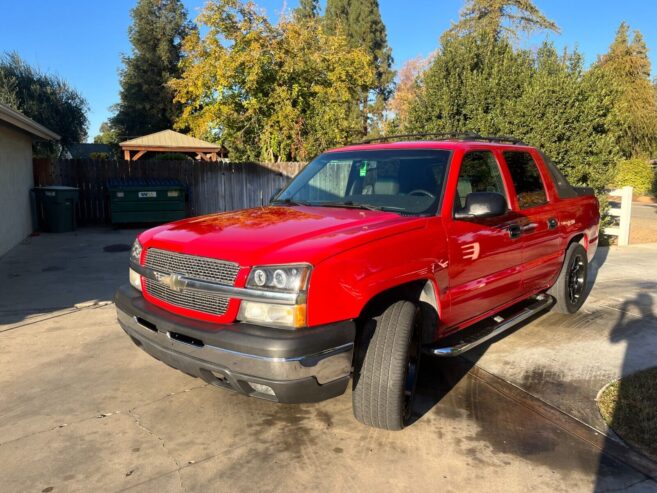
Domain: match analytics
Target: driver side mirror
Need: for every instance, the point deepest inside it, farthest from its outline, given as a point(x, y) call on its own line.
point(481, 205)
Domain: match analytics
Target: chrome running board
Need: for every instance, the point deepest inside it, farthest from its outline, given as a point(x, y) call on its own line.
point(458, 344)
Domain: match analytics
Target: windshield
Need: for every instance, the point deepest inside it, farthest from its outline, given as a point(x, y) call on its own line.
point(405, 181)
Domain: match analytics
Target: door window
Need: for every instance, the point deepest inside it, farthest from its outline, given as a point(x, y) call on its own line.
point(526, 179)
point(479, 172)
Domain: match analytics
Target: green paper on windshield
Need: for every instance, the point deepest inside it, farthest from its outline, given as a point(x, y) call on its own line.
point(363, 169)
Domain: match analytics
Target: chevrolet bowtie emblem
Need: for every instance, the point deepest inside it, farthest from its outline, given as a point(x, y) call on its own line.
point(174, 282)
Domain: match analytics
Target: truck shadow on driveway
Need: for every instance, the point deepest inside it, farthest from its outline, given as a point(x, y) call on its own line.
point(439, 375)
point(452, 389)
point(595, 265)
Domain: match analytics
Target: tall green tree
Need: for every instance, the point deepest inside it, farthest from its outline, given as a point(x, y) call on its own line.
point(107, 135)
point(46, 99)
point(146, 101)
point(564, 112)
point(501, 18)
point(307, 9)
point(480, 81)
point(361, 22)
point(270, 92)
point(469, 86)
point(625, 68)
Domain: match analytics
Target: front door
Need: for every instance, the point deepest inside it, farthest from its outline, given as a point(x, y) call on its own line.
point(484, 254)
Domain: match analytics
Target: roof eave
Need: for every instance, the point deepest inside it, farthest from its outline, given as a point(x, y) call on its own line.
point(168, 148)
point(19, 120)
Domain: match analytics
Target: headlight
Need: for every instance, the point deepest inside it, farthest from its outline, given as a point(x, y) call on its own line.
point(282, 278)
point(135, 252)
point(270, 314)
point(285, 278)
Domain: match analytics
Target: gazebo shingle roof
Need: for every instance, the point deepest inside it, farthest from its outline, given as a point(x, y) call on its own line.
point(170, 141)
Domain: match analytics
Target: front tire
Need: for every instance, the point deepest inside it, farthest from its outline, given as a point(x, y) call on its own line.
point(570, 289)
point(384, 385)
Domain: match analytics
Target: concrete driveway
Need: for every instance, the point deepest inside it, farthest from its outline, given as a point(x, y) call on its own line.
point(82, 409)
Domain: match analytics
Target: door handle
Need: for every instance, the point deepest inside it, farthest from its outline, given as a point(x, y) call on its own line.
point(514, 231)
point(552, 223)
point(529, 227)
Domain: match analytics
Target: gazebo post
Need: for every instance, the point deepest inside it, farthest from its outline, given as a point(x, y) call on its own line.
point(126, 155)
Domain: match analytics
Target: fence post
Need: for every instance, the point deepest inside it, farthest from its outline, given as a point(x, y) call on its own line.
point(625, 216)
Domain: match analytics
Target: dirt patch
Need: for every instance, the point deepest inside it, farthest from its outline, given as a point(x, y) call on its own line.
point(643, 230)
point(629, 406)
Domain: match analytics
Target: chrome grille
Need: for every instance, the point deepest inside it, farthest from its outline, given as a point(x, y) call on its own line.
point(192, 299)
point(202, 268)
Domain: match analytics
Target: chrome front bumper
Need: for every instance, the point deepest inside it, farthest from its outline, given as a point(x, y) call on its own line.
point(326, 366)
point(296, 365)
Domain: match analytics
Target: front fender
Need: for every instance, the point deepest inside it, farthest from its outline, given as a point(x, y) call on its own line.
point(342, 285)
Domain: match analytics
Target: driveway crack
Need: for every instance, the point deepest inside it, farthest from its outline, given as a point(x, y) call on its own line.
point(137, 420)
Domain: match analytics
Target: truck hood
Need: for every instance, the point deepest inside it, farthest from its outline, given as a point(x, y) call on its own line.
point(278, 234)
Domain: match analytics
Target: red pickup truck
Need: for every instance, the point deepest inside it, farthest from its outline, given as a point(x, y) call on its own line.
point(373, 254)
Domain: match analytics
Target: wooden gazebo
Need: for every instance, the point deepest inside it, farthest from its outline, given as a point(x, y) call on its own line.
point(170, 141)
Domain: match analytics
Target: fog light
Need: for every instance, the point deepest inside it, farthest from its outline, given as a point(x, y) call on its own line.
point(135, 280)
point(263, 389)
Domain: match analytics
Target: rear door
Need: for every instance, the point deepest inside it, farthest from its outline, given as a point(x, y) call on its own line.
point(484, 254)
point(541, 243)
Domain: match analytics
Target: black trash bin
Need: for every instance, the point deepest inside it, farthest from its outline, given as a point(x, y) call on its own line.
point(56, 208)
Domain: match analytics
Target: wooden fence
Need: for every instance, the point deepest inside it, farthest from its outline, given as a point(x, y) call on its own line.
point(211, 187)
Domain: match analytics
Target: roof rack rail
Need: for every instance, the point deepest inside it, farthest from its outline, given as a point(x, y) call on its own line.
point(465, 136)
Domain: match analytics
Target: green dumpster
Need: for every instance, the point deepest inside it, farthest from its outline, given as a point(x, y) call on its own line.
point(146, 200)
point(56, 207)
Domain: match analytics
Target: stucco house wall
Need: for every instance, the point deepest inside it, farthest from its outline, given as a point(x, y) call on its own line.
point(17, 132)
point(16, 179)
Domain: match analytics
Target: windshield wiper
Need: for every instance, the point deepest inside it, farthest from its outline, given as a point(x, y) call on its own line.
point(289, 202)
point(350, 204)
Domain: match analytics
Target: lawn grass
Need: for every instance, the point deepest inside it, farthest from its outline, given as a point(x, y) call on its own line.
point(629, 406)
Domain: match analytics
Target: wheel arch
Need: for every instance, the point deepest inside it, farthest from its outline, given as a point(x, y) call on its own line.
point(577, 238)
point(423, 292)
point(580, 238)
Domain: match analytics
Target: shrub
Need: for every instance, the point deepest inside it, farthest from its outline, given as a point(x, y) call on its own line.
point(635, 173)
point(172, 156)
point(99, 156)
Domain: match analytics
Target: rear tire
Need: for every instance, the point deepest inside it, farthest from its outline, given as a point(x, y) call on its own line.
point(384, 385)
point(569, 290)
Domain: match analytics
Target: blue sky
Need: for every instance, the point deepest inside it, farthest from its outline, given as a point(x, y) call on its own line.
point(82, 40)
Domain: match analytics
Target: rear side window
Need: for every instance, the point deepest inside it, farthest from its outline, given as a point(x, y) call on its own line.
point(526, 179)
point(564, 189)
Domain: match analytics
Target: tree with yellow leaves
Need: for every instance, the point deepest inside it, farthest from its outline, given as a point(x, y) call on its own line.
point(270, 92)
